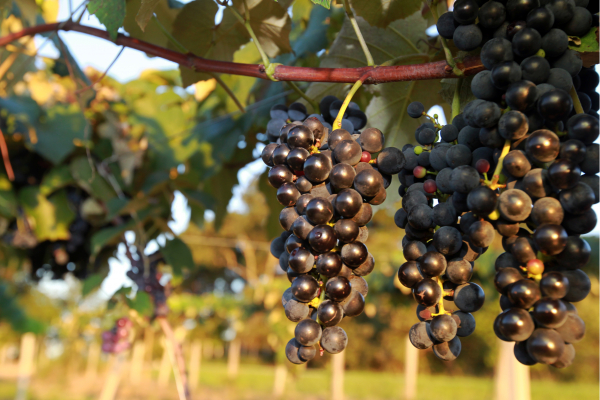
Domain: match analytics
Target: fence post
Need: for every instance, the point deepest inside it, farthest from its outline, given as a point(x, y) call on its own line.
point(113, 378)
point(164, 372)
point(91, 369)
point(233, 358)
point(411, 370)
point(26, 367)
point(195, 363)
point(149, 350)
point(280, 378)
point(337, 376)
point(511, 378)
point(137, 362)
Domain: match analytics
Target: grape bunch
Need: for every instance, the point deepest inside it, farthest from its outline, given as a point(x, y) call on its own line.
point(328, 182)
point(440, 182)
point(116, 340)
point(523, 127)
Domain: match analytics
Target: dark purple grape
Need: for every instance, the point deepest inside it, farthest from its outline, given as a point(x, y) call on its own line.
point(319, 211)
point(317, 168)
point(342, 176)
point(354, 304)
point(287, 194)
point(348, 152)
point(278, 175)
point(442, 328)
point(555, 105)
point(354, 254)
point(329, 264)
point(348, 203)
point(427, 292)
point(305, 288)
point(545, 346)
point(338, 288)
point(516, 324)
point(505, 278)
point(322, 238)
point(543, 145)
point(300, 136)
point(524, 293)
point(330, 313)
point(334, 339)
point(409, 274)
point(550, 313)
point(554, 285)
point(308, 332)
point(564, 174)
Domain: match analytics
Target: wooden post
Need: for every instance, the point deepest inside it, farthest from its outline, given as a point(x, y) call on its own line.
point(113, 378)
point(195, 363)
point(149, 350)
point(4, 354)
point(233, 358)
point(280, 378)
point(411, 370)
point(511, 378)
point(209, 350)
point(137, 363)
point(26, 365)
point(164, 373)
point(337, 376)
point(91, 369)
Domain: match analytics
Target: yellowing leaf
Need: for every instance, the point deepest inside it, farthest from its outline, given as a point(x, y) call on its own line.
point(204, 88)
point(145, 12)
point(51, 216)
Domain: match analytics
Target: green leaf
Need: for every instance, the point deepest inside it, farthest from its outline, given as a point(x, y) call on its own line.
point(151, 32)
point(110, 13)
point(56, 178)
point(142, 303)
point(324, 3)
point(589, 42)
point(145, 13)
point(92, 282)
point(465, 94)
point(112, 234)
point(8, 200)
point(89, 180)
point(194, 29)
point(270, 193)
point(178, 255)
point(383, 12)
point(51, 216)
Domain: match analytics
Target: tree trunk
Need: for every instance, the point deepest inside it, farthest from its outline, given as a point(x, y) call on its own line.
point(137, 363)
point(195, 363)
point(280, 378)
point(26, 365)
point(164, 373)
point(93, 358)
point(113, 378)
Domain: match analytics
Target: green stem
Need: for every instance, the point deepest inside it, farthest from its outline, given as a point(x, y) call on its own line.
point(496, 177)
point(246, 23)
point(456, 99)
point(447, 52)
point(361, 39)
point(337, 124)
point(576, 103)
point(310, 101)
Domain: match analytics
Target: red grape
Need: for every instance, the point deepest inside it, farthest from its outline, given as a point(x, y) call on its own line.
point(482, 166)
point(429, 186)
point(366, 156)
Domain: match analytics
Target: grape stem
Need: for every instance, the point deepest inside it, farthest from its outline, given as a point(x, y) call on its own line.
point(449, 59)
point(361, 39)
point(576, 103)
point(456, 99)
point(441, 309)
point(493, 184)
point(337, 124)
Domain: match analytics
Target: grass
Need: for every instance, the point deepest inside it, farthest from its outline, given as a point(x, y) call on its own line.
point(256, 382)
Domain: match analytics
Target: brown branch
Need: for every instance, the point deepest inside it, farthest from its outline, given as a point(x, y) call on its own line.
point(5, 158)
point(433, 70)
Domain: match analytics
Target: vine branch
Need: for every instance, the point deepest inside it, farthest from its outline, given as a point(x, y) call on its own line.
point(399, 73)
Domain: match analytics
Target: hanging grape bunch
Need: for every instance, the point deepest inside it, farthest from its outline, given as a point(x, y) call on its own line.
point(328, 181)
point(116, 340)
point(534, 124)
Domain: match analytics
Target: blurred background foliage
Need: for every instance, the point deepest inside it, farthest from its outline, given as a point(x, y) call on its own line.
point(98, 163)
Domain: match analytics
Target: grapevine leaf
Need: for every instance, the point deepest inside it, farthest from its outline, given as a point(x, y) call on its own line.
point(145, 12)
point(55, 179)
point(112, 234)
point(8, 199)
point(52, 216)
point(465, 94)
point(324, 3)
point(383, 12)
point(92, 282)
point(270, 193)
point(142, 303)
point(110, 13)
point(194, 29)
point(89, 180)
point(178, 255)
point(166, 14)
point(589, 42)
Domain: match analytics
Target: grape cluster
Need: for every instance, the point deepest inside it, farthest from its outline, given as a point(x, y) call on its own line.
point(440, 182)
point(116, 340)
point(328, 182)
point(523, 127)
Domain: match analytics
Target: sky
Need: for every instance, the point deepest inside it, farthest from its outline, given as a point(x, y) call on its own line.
point(99, 54)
